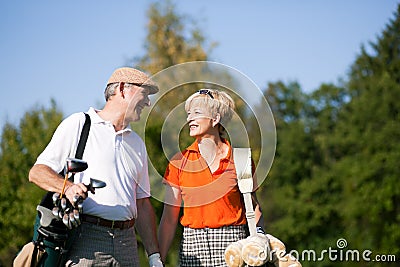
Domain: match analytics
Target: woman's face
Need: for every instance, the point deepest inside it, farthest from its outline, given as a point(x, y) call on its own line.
point(200, 121)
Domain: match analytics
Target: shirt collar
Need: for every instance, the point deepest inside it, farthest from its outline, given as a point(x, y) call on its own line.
point(95, 118)
point(195, 147)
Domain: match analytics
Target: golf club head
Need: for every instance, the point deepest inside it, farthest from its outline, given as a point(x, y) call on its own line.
point(94, 183)
point(46, 215)
point(97, 183)
point(73, 165)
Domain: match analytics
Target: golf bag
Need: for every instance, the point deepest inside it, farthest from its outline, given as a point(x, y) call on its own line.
point(258, 249)
point(52, 241)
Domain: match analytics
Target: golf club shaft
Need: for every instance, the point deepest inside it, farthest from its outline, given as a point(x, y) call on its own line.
point(65, 182)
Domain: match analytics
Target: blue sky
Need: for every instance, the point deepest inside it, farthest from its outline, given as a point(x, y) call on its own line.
point(66, 50)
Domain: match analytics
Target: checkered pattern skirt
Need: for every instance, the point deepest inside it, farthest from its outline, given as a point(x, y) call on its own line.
point(205, 247)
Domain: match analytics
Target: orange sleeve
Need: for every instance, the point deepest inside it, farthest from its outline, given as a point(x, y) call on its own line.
point(171, 175)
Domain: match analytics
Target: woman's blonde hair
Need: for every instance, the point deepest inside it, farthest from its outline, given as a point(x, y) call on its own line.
point(217, 102)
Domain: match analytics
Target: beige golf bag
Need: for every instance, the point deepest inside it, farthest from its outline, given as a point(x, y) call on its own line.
point(258, 248)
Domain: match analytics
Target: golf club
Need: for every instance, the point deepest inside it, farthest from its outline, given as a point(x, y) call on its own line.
point(69, 215)
point(72, 165)
point(46, 216)
point(93, 184)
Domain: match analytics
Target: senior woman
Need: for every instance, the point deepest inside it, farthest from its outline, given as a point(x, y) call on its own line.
point(203, 176)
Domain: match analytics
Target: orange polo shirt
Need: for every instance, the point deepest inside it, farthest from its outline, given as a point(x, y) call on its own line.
point(209, 199)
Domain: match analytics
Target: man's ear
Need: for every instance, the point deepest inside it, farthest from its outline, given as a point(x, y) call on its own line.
point(121, 88)
point(216, 119)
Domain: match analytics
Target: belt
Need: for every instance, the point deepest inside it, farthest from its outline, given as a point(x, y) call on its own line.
point(108, 223)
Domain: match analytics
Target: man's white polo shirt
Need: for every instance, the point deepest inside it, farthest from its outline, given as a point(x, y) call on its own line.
point(117, 158)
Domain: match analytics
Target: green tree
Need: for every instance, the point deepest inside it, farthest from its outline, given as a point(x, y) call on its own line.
point(295, 157)
point(18, 198)
point(171, 39)
point(370, 148)
point(335, 173)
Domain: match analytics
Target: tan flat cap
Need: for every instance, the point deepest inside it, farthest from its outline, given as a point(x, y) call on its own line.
point(131, 75)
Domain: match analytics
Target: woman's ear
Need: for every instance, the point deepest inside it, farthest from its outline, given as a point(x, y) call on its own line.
point(216, 119)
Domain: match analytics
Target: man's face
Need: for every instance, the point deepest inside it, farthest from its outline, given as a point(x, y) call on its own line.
point(138, 98)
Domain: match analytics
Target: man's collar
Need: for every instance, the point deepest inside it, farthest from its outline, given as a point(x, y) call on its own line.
point(97, 119)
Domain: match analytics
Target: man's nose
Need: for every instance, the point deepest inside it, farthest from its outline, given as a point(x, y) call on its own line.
point(148, 102)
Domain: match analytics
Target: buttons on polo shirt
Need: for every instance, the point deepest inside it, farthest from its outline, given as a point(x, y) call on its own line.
point(119, 137)
point(117, 141)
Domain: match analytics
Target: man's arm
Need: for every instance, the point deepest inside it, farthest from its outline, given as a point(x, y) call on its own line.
point(146, 225)
point(47, 179)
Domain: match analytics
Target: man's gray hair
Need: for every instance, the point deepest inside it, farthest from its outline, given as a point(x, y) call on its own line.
point(110, 90)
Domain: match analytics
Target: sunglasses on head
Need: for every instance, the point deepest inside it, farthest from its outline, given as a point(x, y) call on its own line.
point(205, 92)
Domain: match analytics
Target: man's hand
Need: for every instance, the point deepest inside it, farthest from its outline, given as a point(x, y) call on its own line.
point(155, 260)
point(76, 190)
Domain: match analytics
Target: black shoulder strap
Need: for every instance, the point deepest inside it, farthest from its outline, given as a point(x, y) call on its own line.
point(83, 138)
point(82, 141)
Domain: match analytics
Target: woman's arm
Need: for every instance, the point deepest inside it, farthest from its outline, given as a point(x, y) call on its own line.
point(257, 211)
point(169, 220)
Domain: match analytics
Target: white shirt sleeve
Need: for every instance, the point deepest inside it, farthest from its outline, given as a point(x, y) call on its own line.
point(143, 188)
point(63, 144)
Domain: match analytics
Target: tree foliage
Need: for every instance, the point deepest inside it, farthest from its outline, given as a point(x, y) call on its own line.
point(171, 39)
point(371, 144)
point(20, 147)
point(335, 173)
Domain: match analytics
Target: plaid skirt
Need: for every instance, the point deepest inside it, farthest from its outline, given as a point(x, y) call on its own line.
point(205, 247)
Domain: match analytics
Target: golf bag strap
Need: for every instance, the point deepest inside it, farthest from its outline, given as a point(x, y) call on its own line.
point(34, 255)
point(82, 141)
point(242, 158)
point(83, 138)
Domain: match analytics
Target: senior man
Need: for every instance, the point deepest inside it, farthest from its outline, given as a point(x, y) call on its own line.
point(116, 155)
